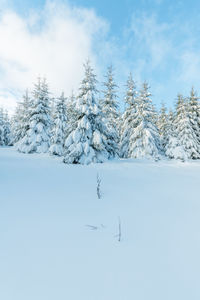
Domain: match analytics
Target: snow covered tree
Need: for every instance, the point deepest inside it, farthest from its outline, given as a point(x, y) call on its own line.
point(194, 113)
point(37, 137)
point(59, 127)
point(128, 117)
point(15, 125)
point(7, 129)
point(163, 126)
point(155, 115)
point(174, 149)
point(184, 133)
point(144, 139)
point(88, 142)
point(20, 122)
point(170, 119)
point(109, 106)
point(2, 141)
point(4, 128)
point(72, 114)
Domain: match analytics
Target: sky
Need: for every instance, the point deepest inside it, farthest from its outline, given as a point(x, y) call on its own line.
point(157, 40)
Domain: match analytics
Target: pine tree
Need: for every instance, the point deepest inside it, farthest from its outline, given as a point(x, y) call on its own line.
point(59, 127)
point(7, 129)
point(20, 122)
point(163, 126)
point(72, 114)
point(2, 136)
point(5, 133)
point(184, 131)
point(15, 125)
point(194, 113)
point(170, 119)
point(173, 148)
point(128, 117)
point(144, 136)
point(88, 142)
point(37, 137)
point(109, 106)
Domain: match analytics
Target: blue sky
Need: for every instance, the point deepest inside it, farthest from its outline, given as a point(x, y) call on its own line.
point(157, 40)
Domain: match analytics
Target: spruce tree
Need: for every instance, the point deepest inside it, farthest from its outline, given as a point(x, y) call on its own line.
point(7, 129)
point(109, 106)
point(72, 114)
point(15, 125)
point(184, 130)
point(144, 136)
point(2, 136)
point(194, 113)
point(163, 126)
point(173, 148)
point(88, 142)
point(37, 137)
point(59, 127)
point(20, 123)
point(170, 119)
point(128, 117)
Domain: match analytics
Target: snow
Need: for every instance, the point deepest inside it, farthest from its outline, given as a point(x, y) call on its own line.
point(49, 249)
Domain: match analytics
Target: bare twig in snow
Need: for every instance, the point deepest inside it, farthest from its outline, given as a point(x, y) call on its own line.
point(98, 186)
point(119, 235)
point(91, 227)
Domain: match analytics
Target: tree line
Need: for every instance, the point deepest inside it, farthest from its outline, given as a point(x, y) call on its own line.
point(85, 128)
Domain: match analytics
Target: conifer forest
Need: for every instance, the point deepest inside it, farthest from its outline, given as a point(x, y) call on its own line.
point(88, 127)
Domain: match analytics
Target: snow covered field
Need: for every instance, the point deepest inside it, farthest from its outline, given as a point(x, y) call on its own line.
point(48, 252)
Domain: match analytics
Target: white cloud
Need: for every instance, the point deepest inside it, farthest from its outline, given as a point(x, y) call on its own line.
point(153, 39)
point(190, 69)
point(53, 43)
point(166, 54)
